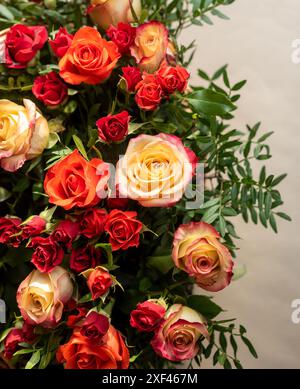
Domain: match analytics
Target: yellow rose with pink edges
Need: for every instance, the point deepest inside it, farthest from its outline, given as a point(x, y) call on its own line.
point(24, 133)
point(150, 45)
point(107, 12)
point(198, 251)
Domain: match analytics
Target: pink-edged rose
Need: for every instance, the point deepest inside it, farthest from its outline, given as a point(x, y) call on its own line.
point(178, 335)
point(47, 253)
point(50, 89)
point(198, 251)
point(61, 42)
point(113, 128)
point(132, 76)
point(123, 36)
point(147, 316)
point(150, 45)
point(22, 43)
point(155, 170)
point(33, 227)
point(41, 296)
point(94, 327)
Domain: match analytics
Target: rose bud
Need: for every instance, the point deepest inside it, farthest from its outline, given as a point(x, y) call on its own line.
point(61, 42)
point(107, 12)
point(198, 251)
point(75, 320)
point(123, 36)
point(22, 44)
point(33, 227)
point(80, 353)
point(41, 296)
point(11, 343)
point(50, 89)
point(177, 337)
point(92, 222)
point(94, 327)
point(132, 77)
point(113, 128)
point(66, 232)
point(47, 253)
point(149, 93)
point(123, 229)
point(84, 258)
point(10, 231)
point(98, 281)
point(26, 134)
point(172, 79)
point(150, 45)
point(148, 315)
point(75, 182)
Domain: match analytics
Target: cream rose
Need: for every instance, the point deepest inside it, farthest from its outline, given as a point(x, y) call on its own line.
point(107, 12)
point(41, 296)
point(155, 170)
point(197, 251)
point(177, 337)
point(24, 133)
point(150, 45)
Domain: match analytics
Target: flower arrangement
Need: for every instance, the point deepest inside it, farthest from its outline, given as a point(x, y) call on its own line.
point(119, 187)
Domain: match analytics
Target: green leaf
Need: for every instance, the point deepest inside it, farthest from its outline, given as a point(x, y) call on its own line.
point(53, 139)
point(239, 85)
point(268, 204)
point(204, 305)
point(133, 127)
point(210, 103)
point(250, 346)
point(262, 175)
point(273, 223)
point(233, 345)
point(6, 13)
point(284, 216)
point(24, 351)
point(80, 146)
point(220, 14)
point(239, 271)
point(86, 298)
point(4, 194)
point(211, 214)
point(34, 360)
point(162, 263)
point(223, 341)
point(4, 334)
point(108, 249)
point(278, 179)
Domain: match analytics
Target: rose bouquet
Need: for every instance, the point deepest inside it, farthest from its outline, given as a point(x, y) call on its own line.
point(119, 185)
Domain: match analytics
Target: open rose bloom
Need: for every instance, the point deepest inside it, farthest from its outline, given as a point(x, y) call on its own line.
point(24, 133)
point(155, 170)
point(198, 251)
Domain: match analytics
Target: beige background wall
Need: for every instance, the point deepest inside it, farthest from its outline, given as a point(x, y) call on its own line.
point(256, 43)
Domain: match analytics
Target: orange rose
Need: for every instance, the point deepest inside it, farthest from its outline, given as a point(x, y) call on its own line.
point(89, 59)
point(80, 353)
point(150, 45)
point(76, 182)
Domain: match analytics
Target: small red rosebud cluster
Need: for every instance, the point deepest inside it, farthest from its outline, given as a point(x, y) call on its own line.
point(18, 335)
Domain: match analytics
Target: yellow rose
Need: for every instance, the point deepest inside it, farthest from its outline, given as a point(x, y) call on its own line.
point(41, 296)
point(107, 12)
point(24, 133)
point(198, 251)
point(155, 170)
point(150, 45)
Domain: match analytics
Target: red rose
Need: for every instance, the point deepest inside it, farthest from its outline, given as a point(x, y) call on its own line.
point(74, 320)
point(123, 229)
point(98, 281)
point(147, 316)
point(149, 93)
point(94, 327)
point(132, 77)
point(76, 182)
point(172, 79)
point(123, 36)
point(33, 227)
point(84, 258)
point(50, 89)
point(22, 44)
point(10, 226)
point(47, 255)
point(66, 232)
point(28, 332)
point(12, 341)
point(92, 222)
point(113, 128)
point(61, 42)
